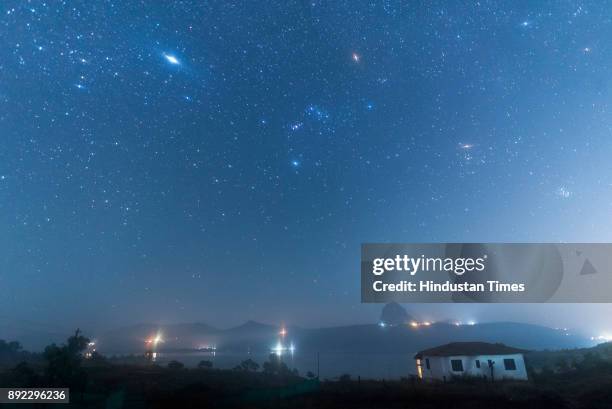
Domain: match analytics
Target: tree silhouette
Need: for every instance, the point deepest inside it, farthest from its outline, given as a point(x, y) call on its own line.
point(247, 365)
point(275, 366)
point(64, 363)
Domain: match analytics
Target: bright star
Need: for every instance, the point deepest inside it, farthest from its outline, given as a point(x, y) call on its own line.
point(295, 163)
point(356, 57)
point(171, 59)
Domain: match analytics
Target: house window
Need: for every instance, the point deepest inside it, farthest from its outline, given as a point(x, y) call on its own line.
point(478, 363)
point(457, 365)
point(427, 363)
point(509, 364)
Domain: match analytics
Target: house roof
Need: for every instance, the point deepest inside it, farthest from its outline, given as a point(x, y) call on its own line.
point(469, 349)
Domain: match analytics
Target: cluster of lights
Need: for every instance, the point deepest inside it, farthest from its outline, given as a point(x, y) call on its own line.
point(416, 324)
point(91, 348)
point(460, 323)
point(602, 337)
point(420, 324)
point(280, 348)
point(154, 341)
point(568, 334)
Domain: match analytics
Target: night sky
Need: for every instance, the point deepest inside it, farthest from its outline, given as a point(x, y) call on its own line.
point(223, 161)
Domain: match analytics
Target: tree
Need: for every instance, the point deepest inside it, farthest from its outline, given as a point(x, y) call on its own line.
point(205, 365)
point(247, 365)
point(64, 363)
point(12, 347)
point(275, 366)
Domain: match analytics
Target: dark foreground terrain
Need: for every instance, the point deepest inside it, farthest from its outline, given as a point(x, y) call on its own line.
point(561, 379)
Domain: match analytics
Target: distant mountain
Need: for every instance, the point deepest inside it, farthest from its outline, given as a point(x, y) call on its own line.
point(257, 337)
point(394, 314)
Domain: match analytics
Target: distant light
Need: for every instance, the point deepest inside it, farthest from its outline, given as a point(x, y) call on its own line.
point(427, 323)
point(283, 332)
point(414, 324)
point(291, 349)
point(154, 341)
point(382, 324)
point(356, 57)
point(278, 349)
point(471, 323)
point(171, 59)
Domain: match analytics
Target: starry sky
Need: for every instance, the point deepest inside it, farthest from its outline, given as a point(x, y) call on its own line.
point(221, 161)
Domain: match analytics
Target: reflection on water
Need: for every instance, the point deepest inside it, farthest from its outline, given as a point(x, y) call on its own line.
point(330, 365)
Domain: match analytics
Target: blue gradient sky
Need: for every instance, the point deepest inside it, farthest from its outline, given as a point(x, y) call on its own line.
point(220, 162)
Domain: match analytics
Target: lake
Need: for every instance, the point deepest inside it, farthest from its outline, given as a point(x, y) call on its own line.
point(331, 365)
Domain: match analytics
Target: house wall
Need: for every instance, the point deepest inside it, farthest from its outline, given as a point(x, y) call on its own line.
point(440, 367)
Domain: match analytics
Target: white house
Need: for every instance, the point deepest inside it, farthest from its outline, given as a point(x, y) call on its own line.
point(481, 359)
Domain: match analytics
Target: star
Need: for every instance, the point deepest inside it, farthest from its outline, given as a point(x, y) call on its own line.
point(356, 57)
point(295, 163)
point(171, 59)
point(564, 192)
